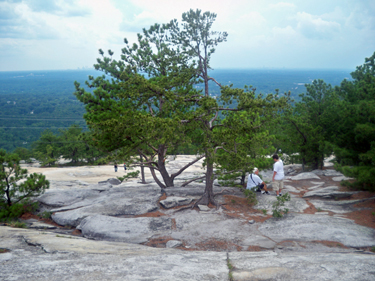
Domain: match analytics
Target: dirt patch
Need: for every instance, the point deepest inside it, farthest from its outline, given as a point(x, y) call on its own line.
point(76, 232)
point(255, 249)
point(151, 215)
point(366, 215)
point(363, 195)
point(238, 207)
point(331, 244)
point(217, 245)
point(28, 216)
point(159, 242)
point(163, 197)
point(311, 209)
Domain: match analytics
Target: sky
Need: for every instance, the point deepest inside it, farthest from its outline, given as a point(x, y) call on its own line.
point(294, 34)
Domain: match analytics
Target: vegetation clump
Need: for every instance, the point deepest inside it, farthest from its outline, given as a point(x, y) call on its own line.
point(277, 207)
point(17, 187)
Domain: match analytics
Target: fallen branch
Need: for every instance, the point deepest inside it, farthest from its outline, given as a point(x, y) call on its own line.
point(221, 192)
point(190, 181)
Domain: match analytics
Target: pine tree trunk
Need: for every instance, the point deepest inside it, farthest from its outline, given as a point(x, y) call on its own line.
point(208, 195)
point(168, 181)
point(142, 170)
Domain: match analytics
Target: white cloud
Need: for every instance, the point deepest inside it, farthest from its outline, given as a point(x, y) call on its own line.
point(68, 33)
point(315, 27)
point(282, 5)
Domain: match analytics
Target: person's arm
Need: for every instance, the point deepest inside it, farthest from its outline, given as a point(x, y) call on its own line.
point(274, 174)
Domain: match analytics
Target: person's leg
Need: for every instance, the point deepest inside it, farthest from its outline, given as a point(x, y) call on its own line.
point(281, 186)
point(275, 187)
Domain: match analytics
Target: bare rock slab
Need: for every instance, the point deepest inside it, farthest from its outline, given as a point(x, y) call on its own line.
point(329, 192)
point(310, 227)
point(60, 198)
point(129, 230)
point(122, 200)
point(296, 204)
point(301, 266)
point(46, 256)
point(304, 176)
point(332, 173)
point(341, 207)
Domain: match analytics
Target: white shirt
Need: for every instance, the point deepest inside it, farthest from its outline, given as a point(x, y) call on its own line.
point(278, 167)
point(254, 182)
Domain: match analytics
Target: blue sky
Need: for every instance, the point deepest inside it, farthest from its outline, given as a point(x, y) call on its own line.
point(66, 34)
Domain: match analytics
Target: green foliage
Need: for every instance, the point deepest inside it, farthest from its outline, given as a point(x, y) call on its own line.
point(264, 211)
point(18, 224)
point(131, 113)
point(250, 196)
point(277, 207)
point(354, 144)
point(70, 143)
point(365, 176)
point(231, 268)
point(129, 175)
point(16, 186)
point(305, 130)
point(46, 215)
point(16, 210)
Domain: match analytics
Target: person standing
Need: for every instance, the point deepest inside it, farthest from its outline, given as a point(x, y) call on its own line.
point(124, 166)
point(115, 167)
point(278, 175)
point(255, 182)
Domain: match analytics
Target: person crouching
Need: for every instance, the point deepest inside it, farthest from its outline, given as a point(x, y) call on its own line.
point(254, 182)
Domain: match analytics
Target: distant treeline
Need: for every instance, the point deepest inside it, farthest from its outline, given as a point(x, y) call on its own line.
point(33, 101)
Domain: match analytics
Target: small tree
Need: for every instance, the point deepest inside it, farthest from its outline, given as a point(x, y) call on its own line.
point(310, 124)
point(226, 120)
point(15, 185)
point(139, 108)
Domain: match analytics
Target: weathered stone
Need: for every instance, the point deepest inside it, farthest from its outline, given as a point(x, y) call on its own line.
point(114, 202)
point(342, 206)
point(173, 244)
point(193, 227)
point(58, 198)
point(130, 230)
point(296, 204)
point(297, 266)
point(341, 178)
point(317, 185)
point(112, 181)
point(174, 201)
point(40, 225)
point(290, 188)
point(318, 172)
point(305, 227)
point(304, 176)
point(257, 239)
point(329, 192)
point(204, 208)
point(73, 258)
point(331, 173)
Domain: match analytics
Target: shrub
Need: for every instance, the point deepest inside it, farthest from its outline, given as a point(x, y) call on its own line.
point(128, 176)
point(17, 187)
point(250, 196)
point(277, 211)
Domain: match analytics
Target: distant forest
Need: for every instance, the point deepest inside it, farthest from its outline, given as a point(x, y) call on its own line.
point(34, 101)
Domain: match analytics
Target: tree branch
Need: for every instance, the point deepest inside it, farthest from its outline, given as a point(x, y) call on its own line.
point(190, 181)
point(185, 167)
